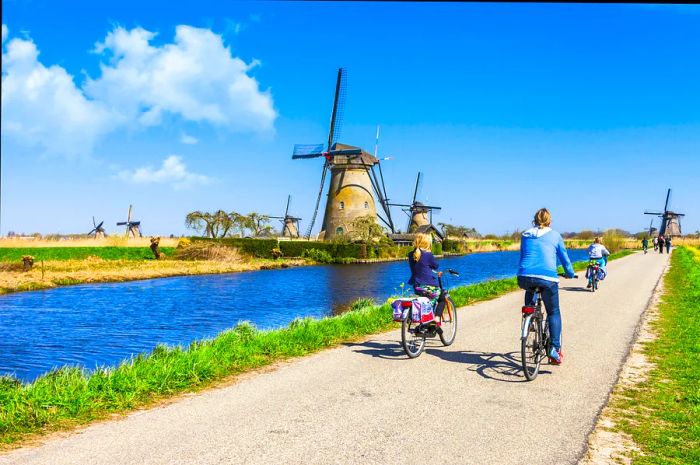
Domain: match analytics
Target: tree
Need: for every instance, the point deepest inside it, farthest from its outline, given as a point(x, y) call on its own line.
point(259, 225)
point(366, 229)
point(200, 221)
point(458, 231)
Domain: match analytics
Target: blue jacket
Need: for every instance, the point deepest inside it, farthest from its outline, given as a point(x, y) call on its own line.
point(539, 249)
point(422, 270)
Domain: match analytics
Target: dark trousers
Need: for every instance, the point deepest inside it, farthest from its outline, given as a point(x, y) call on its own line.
point(661, 248)
point(550, 298)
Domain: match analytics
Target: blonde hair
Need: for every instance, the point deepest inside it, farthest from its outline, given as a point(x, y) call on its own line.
point(421, 241)
point(542, 218)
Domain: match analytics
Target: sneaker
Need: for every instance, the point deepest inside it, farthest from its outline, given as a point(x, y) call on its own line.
point(589, 285)
point(555, 356)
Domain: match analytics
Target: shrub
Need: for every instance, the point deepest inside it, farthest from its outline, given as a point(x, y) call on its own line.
point(613, 241)
point(261, 248)
point(316, 255)
point(437, 248)
point(276, 253)
point(208, 251)
point(183, 242)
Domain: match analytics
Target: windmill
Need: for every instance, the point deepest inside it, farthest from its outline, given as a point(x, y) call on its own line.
point(133, 228)
point(419, 215)
point(670, 220)
point(290, 224)
point(354, 183)
point(97, 230)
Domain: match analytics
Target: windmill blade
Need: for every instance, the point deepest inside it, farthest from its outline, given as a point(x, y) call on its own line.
point(94, 230)
point(134, 223)
point(646, 212)
point(93, 222)
point(415, 191)
point(286, 211)
point(428, 207)
point(122, 223)
point(128, 216)
point(99, 226)
point(307, 151)
point(338, 107)
point(318, 201)
point(668, 200)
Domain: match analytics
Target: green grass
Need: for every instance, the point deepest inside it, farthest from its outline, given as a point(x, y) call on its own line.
point(14, 254)
point(72, 396)
point(662, 414)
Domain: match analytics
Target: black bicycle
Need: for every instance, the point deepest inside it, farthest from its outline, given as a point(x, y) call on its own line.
point(535, 340)
point(413, 335)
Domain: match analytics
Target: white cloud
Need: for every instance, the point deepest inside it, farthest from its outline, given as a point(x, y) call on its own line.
point(187, 139)
point(172, 171)
point(42, 107)
point(196, 78)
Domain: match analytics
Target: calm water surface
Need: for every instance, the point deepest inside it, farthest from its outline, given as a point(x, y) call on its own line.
point(102, 324)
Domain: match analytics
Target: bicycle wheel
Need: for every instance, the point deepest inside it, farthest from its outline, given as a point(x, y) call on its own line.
point(412, 343)
point(531, 348)
point(594, 287)
point(449, 322)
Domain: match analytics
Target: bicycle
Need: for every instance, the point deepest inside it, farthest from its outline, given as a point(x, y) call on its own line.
point(592, 273)
point(535, 340)
point(414, 335)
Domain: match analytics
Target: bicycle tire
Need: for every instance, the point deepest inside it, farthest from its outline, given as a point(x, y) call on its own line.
point(449, 327)
point(413, 345)
point(530, 349)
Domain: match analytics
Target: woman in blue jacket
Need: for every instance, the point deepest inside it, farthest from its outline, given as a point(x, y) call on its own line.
point(539, 249)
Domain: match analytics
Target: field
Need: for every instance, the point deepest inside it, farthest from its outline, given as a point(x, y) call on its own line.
point(662, 413)
point(71, 396)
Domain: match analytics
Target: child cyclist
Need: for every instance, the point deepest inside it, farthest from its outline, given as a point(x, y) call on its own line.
point(423, 264)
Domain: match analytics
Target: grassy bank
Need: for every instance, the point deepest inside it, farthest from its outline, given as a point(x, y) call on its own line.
point(662, 414)
point(71, 396)
point(96, 270)
point(15, 254)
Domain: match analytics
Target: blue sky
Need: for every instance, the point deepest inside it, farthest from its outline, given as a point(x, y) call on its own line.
point(590, 110)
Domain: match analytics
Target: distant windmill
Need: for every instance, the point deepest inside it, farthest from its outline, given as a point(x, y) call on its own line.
point(97, 230)
point(354, 184)
point(290, 224)
point(670, 220)
point(418, 213)
point(133, 228)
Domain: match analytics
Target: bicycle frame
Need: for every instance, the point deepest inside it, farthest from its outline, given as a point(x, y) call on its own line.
point(527, 318)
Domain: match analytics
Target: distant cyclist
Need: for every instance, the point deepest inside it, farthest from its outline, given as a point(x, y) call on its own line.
point(423, 264)
point(599, 253)
point(661, 242)
point(645, 244)
point(539, 249)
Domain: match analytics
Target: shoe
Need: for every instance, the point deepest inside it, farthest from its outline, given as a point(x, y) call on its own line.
point(555, 356)
point(589, 286)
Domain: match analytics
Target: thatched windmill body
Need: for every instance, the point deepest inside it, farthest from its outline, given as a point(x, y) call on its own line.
point(133, 228)
point(354, 185)
point(98, 232)
point(670, 220)
point(290, 223)
point(419, 214)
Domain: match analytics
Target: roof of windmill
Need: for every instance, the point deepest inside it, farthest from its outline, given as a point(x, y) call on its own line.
point(367, 158)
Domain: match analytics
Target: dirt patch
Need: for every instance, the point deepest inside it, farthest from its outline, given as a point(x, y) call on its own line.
point(606, 444)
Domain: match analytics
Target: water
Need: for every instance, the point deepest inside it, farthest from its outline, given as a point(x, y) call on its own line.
point(102, 324)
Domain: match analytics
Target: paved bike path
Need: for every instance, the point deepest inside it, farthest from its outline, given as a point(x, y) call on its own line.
point(366, 403)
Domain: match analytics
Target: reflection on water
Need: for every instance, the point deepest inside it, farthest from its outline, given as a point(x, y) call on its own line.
point(102, 324)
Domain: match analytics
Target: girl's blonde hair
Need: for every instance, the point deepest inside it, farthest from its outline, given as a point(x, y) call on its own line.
point(421, 241)
point(542, 218)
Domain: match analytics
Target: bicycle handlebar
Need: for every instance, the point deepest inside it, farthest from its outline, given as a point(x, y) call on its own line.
point(566, 277)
